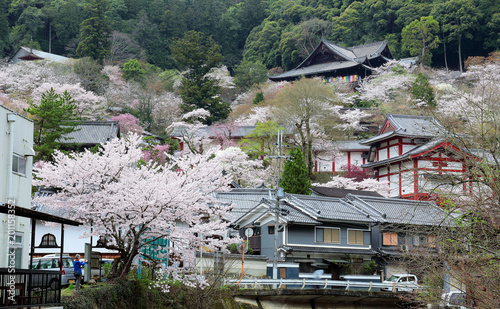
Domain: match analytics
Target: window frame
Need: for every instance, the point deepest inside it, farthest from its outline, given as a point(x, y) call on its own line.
point(15, 164)
point(327, 228)
point(362, 236)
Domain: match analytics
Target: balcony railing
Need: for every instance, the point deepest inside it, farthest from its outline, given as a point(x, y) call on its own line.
point(26, 288)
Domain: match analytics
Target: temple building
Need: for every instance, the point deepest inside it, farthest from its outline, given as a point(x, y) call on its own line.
point(331, 61)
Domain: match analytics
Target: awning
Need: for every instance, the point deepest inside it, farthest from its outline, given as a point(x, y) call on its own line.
point(304, 261)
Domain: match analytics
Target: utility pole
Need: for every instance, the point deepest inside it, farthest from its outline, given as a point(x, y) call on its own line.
point(279, 194)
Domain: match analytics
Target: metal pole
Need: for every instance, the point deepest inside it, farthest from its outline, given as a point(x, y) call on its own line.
point(277, 210)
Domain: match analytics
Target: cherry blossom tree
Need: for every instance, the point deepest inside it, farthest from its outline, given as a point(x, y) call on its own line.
point(189, 129)
point(135, 204)
point(128, 123)
point(88, 105)
point(368, 184)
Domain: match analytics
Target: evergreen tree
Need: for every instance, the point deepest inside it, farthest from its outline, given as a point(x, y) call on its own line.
point(95, 31)
point(55, 116)
point(295, 177)
point(422, 91)
point(197, 54)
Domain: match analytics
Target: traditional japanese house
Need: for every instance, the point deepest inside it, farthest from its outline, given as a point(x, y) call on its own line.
point(411, 154)
point(332, 61)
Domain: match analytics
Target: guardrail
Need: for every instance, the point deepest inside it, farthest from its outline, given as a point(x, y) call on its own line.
point(302, 283)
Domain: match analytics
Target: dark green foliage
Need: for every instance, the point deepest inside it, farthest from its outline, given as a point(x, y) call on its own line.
point(197, 54)
point(295, 177)
point(54, 117)
point(421, 90)
point(248, 74)
point(95, 31)
point(132, 70)
point(420, 37)
point(259, 97)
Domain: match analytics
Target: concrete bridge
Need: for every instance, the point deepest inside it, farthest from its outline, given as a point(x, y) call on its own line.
point(319, 299)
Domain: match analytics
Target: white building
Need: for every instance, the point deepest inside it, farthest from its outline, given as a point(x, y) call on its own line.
point(16, 160)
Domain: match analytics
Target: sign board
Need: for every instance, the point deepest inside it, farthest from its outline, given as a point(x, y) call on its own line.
point(249, 232)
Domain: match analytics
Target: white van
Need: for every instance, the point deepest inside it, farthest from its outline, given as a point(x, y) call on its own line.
point(403, 282)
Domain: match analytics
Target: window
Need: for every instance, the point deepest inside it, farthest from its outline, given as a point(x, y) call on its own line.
point(431, 241)
point(270, 230)
point(390, 239)
point(19, 165)
point(355, 237)
point(329, 235)
point(48, 241)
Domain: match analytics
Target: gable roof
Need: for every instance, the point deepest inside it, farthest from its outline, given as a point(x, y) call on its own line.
point(314, 210)
point(27, 54)
point(407, 126)
point(93, 133)
point(329, 57)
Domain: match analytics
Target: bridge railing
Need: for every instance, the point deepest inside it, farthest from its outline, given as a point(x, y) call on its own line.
point(324, 284)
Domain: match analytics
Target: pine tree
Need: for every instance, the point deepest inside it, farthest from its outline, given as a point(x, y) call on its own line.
point(55, 116)
point(295, 178)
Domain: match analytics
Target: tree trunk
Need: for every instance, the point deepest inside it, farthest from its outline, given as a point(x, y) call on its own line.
point(445, 58)
point(309, 150)
point(460, 52)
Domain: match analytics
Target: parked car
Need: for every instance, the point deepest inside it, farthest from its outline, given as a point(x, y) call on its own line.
point(99, 271)
point(404, 282)
point(454, 299)
point(51, 262)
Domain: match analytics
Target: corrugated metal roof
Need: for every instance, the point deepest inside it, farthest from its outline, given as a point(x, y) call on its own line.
point(45, 55)
point(93, 133)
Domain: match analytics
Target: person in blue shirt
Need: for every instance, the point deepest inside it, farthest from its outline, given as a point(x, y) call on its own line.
point(78, 270)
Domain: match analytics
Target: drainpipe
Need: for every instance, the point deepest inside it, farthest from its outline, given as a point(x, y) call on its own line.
point(11, 118)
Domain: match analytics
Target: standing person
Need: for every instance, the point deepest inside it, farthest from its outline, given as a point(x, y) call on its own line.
point(78, 270)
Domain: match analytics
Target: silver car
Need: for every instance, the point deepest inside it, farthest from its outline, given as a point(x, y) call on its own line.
point(51, 262)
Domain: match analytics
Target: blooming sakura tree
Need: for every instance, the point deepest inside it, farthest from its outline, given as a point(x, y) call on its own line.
point(128, 123)
point(245, 172)
point(88, 104)
point(189, 129)
point(368, 184)
point(135, 204)
point(351, 120)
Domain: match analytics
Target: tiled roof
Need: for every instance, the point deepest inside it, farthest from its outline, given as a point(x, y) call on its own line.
point(243, 199)
point(330, 209)
point(402, 211)
point(93, 133)
point(336, 192)
point(354, 56)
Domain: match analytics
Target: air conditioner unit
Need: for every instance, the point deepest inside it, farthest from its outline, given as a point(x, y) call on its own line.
point(404, 248)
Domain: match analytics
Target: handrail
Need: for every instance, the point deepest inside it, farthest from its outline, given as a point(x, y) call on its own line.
point(301, 283)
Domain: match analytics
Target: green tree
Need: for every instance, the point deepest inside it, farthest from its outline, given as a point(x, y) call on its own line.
point(304, 107)
point(259, 97)
point(458, 18)
point(55, 116)
point(420, 37)
point(132, 70)
point(261, 141)
point(421, 90)
point(248, 74)
point(197, 54)
point(295, 178)
point(95, 31)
